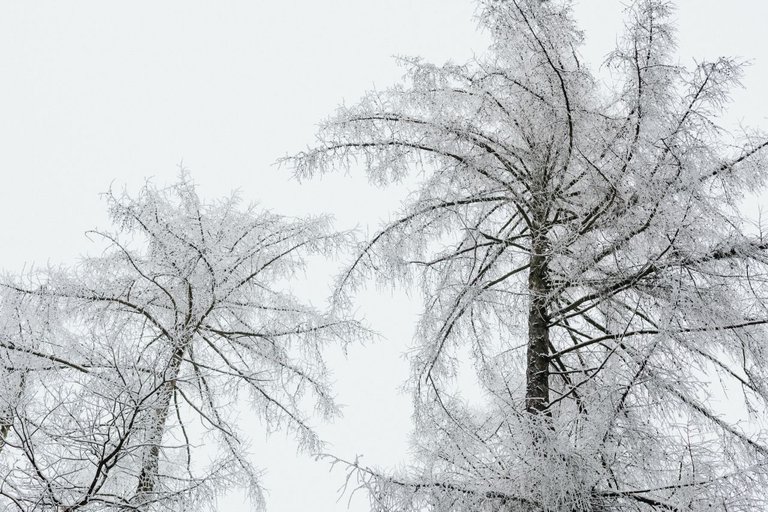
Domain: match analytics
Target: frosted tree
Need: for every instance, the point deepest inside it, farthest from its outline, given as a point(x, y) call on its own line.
point(187, 309)
point(24, 323)
point(583, 240)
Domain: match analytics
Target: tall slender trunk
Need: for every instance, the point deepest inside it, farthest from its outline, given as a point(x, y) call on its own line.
point(537, 368)
point(150, 462)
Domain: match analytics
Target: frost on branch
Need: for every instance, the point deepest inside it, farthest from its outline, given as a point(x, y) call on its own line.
point(151, 347)
point(584, 241)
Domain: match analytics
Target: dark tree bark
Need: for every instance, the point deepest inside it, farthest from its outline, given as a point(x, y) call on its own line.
point(537, 369)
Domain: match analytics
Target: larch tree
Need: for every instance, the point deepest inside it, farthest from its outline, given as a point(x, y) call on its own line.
point(584, 241)
point(24, 322)
point(187, 308)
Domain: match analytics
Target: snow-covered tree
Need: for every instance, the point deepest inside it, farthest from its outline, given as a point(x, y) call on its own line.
point(152, 344)
point(584, 240)
point(24, 322)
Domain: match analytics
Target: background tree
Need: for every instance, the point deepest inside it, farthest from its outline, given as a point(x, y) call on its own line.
point(24, 323)
point(187, 307)
point(584, 240)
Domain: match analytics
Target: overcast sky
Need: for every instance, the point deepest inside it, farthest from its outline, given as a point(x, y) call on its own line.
point(99, 92)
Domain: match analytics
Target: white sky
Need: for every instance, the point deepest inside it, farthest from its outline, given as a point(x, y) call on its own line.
point(98, 92)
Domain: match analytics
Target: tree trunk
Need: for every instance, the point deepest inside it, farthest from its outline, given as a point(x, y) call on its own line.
point(6, 417)
point(150, 462)
point(5, 427)
point(537, 368)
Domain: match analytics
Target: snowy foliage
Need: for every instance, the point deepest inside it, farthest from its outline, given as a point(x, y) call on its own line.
point(119, 371)
point(584, 240)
